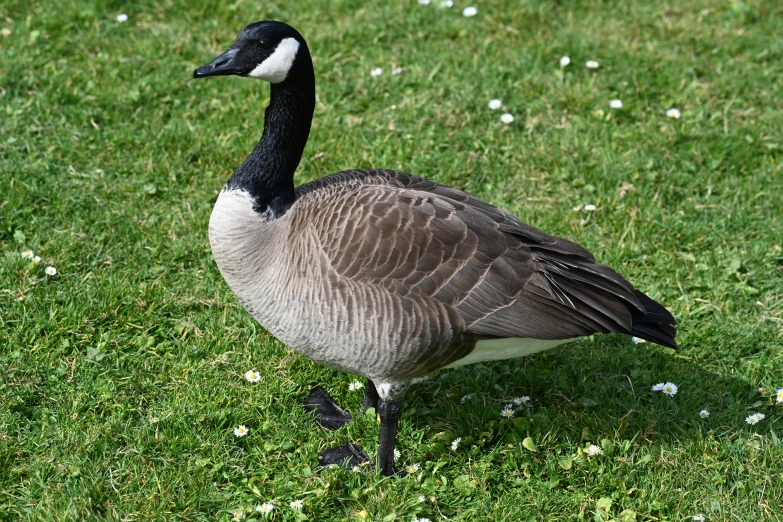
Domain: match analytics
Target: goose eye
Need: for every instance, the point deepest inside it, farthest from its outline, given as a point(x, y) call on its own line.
point(265, 44)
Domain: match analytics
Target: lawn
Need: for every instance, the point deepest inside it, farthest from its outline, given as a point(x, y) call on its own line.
point(122, 376)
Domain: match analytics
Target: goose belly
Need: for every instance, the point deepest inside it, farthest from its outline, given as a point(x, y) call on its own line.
point(508, 348)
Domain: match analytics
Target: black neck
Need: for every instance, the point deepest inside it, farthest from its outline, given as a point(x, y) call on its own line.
point(268, 172)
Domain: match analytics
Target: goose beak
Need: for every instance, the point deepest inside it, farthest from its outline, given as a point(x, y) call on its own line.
point(221, 66)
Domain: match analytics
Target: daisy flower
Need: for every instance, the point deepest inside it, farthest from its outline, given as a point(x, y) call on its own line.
point(506, 118)
point(424, 2)
point(755, 418)
point(376, 72)
point(422, 499)
point(356, 469)
point(266, 508)
point(673, 113)
point(5, 31)
point(507, 412)
point(698, 518)
point(593, 450)
point(780, 395)
point(564, 61)
point(237, 515)
point(577, 208)
point(466, 398)
point(297, 504)
point(122, 18)
point(589, 208)
point(415, 519)
point(252, 376)
point(28, 254)
point(616, 104)
point(396, 454)
point(658, 387)
point(355, 385)
point(521, 400)
point(592, 64)
point(670, 389)
point(469, 11)
point(50, 271)
point(37, 259)
point(240, 431)
point(455, 443)
point(412, 468)
point(396, 71)
point(704, 414)
point(494, 104)
point(447, 3)
point(638, 340)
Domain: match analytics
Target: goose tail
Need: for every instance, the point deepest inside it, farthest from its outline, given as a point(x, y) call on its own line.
point(657, 325)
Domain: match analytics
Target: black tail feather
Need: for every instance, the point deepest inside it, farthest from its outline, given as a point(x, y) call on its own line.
point(657, 325)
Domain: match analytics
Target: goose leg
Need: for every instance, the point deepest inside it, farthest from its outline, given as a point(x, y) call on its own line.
point(327, 413)
point(390, 416)
point(370, 396)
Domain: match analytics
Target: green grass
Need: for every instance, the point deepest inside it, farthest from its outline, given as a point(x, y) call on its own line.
point(121, 377)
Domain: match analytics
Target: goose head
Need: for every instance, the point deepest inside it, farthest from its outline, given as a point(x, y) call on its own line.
point(267, 50)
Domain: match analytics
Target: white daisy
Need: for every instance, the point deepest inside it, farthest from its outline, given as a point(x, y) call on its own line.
point(670, 389)
point(396, 71)
point(658, 387)
point(415, 519)
point(356, 469)
point(422, 499)
point(376, 72)
point(28, 254)
point(673, 113)
point(780, 395)
point(506, 118)
point(638, 340)
point(698, 518)
point(412, 468)
point(508, 411)
point(241, 430)
point(466, 398)
point(577, 208)
point(704, 414)
point(592, 64)
point(5, 31)
point(237, 515)
point(252, 376)
point(564, 61)
point(297, 504)
point(447, 3)
point(455, 443)
point(50, 271)
point(521, 400)
point(396, 454)
point(469, 11)
point(122, 18)
point(424, 2)
point(355, 386)
point(593, 450)
point(755, 418)
point(616, 104)
point(266, 508)
point(589, 208)
point(495, 104)
point(37, 259)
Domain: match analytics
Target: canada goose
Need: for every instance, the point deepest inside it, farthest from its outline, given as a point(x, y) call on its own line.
point(388, 275)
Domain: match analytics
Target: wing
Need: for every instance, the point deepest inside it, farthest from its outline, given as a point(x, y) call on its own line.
point(504, 278)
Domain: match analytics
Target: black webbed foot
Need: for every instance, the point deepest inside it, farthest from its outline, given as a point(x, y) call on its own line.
point(348, 455)
point(327, 413)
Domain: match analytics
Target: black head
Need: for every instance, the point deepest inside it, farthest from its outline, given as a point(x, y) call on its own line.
point(268, 50)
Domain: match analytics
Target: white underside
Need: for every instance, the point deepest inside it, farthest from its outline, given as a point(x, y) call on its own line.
point(510, 348)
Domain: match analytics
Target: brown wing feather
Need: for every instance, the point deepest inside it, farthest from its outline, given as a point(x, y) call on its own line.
point(503, 277)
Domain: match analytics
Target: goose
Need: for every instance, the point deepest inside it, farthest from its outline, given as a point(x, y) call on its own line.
point(388, 275)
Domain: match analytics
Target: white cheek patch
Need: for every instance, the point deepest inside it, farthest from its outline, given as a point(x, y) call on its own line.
point(275, 68)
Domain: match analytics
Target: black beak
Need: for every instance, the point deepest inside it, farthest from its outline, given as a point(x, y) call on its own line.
point(221, 66)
